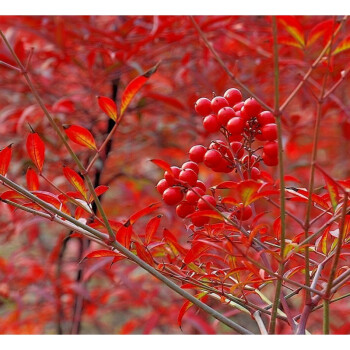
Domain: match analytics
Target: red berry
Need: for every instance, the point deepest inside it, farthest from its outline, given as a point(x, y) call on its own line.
point(252, 107)
point(223, 167)
point(218, 145)
point(202, 203)
point(212, 158)
point(237, 137)
point(258, 135)
point(270, 161)
point(218, 102)
point(171, 178)
point(254, 174)
point(237, 149)
point(238, 106)
point(233, 96)
point(243, 213)
point(197, 153)
point(249, 162)
point(271, 149)
point(203, 106)
point(211, 123)
point(265, 117)
point(184, 209)
point(269, 132)
point(172, 195)
point(191, 165)
point(201, 185)
point(200, 221)
point(188, 176)
point(243, 114)
point(225, 114)
point(193, 195)
point(162, 186)
point(235, 125)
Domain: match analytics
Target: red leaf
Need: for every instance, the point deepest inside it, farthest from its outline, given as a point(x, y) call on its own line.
point(75, 180)
point(144, 254)
point(343, 46)
point(144, 212)
point(53, 200)
point(133, 87)
point(36, 150)
point(108, 106)
point(103, 253)
point(206, 213)
point(32, 180)
point(99, 190)
point(162, 164)
point(195, 252)
point(323, 29)
point(173, 243)
point(63, 105)
point(123, 235)
point(80, 136)
point(294, 28)
point(332, 188)
point(151, 228)
point(5, 158)
point(187, 305)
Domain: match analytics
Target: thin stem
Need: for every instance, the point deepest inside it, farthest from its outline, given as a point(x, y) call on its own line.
point(272, 326)
point(222, 64)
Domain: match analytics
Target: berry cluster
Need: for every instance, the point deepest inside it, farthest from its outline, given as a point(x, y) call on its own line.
point(242, 123)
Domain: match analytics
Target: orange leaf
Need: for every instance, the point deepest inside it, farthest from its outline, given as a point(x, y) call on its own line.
point(36, 150)
point(294, 28)
point(80, 136)
point(75, 180)
point(323, 29)
point(32, 180)
point(343, 46)
point(151, 228)
point(332, 188)
point(11, 195)
point(5, 157)
point(133, 87)
point(247, 190)
point(206, 213)
point(99, 190)
point(108, 106)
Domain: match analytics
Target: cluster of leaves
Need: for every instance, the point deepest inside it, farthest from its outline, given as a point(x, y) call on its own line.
point(228, 263)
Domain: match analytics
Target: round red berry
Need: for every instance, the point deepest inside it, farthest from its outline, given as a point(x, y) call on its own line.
point(184, 209)
point(270, 161)
point(193, 195)
point(171, 178)
point(269, 132)
point(218, 102)
point(201, 185)
point(172, 195)
point(162, 185)
point(233, 96)
point(212, 157)
point(211, 124)
point(199, 220)
point(225, 114)
point(197, 153)
point(223, 167)
point(191, 165)
point(203, 202)
point(203, 106)
point(238, 106)
point(265, 117)
point(188, 176)
point(252, 107)
point(237, 149)
point(235, 125)
point(243, 114)
point(271, 149)
point(243, 213)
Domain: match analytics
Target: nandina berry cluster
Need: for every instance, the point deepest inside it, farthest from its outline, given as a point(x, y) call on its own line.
point(244, 126)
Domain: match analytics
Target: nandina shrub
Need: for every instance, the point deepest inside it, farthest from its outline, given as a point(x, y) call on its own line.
point(253, 228)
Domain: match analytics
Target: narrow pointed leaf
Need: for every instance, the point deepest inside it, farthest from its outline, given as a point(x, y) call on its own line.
point(187, 304)
point(32, 180)
point(75, 180)
point(332, 188)
point(143, 212)
point(162, 164)
point(144, 254)
point(151, 228)
point(108, 106)
point(206, 213)
point(195, 252)
point(80, 136)
point(5, 158)
point(294, 28)
point(133, 87)
point(99, 190)
point(123, 235)
point(321, 30)
point(36, 150)
point(103, 253)
point(343, 46)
